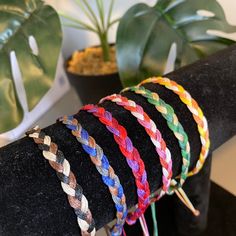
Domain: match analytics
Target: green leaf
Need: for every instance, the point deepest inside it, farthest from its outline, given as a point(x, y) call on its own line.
point(146, 34)
point(19, 21)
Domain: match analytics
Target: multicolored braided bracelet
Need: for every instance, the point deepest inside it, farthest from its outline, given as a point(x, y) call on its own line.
point(102, 164)
point(132, 156)
point(68, 181)
point(197, 115)
point(154, 134)
point(168, 113)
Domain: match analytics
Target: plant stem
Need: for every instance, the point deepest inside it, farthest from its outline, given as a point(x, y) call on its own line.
point(100, 7)
point(105, 46)
point(79, 22)
point(96, 21)
point(110, 13)
point(113, 22)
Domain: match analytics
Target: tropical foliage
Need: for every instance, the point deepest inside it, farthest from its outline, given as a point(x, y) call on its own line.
point(146, 35)
point(30, 43)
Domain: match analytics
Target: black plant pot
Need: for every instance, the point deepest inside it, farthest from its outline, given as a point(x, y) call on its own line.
point(91, 89)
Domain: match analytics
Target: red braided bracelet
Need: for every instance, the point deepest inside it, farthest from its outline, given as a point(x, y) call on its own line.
point(132, 155)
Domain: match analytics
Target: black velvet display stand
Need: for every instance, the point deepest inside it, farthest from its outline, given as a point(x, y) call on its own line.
point(33, 203)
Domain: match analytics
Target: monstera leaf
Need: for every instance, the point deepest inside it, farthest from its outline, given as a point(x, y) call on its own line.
point(30, 40)
point(146, 35)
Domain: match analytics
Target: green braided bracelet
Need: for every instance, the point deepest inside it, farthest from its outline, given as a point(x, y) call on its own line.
point(173, 123)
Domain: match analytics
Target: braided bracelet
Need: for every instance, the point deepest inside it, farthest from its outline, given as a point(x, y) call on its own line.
point(197, 115)
point(155, 136)
point(132, 156)
point(102, 164)
point(68, 181)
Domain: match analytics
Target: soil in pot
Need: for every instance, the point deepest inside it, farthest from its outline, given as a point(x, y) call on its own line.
point(91, 76)
point(90, 62)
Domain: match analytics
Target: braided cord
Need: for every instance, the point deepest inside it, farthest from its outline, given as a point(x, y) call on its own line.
point(102, 164)
point(197, 115)
point(154, 134)
point(132, 156)
point(68, 181)
point(173, 123)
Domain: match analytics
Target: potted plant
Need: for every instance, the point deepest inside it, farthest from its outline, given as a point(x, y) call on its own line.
point(147, 36)
point(93, 71)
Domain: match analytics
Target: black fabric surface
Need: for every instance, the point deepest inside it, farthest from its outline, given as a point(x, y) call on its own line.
point(32, 201)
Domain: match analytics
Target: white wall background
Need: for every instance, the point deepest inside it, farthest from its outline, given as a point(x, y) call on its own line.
point(77, 39)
